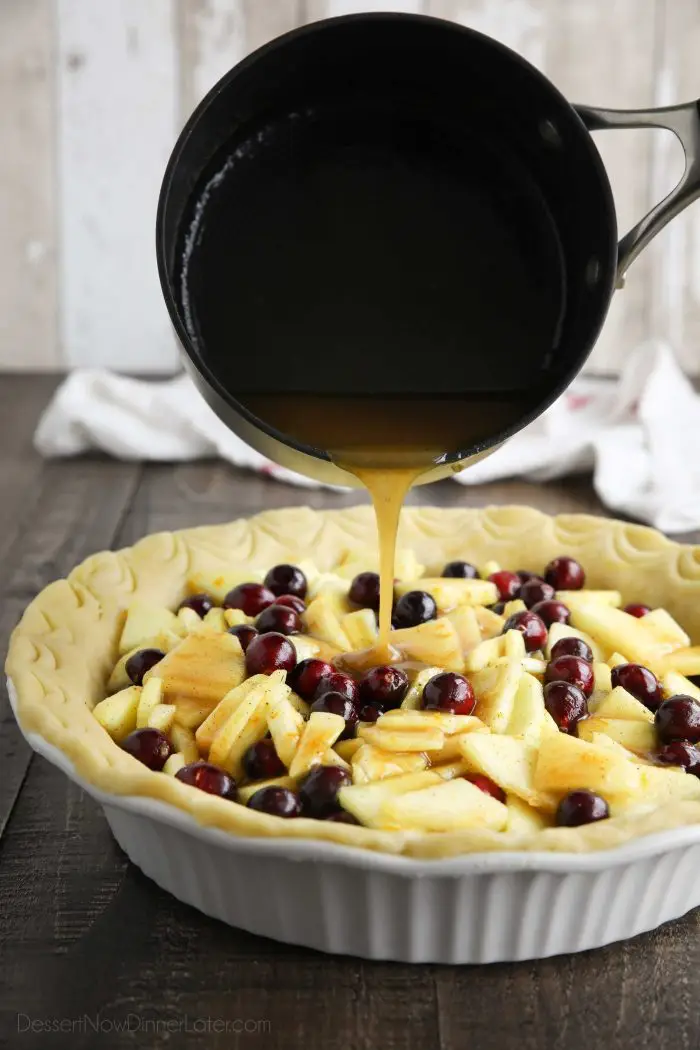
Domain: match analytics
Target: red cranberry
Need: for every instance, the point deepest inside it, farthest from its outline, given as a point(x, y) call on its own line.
point(364, 590)
point(572, 646)
point(566, 704)
point(244, 633)
point(139, 663)
point(534, 591)
point(637, 609)
point(486, 785)
point(252, 598)
point(507, 583)
point(319, 789)
point(552, 611)
point(571, 669)
point(292, 601)
point(268, 653)
point(341, 816)
point(261, 762)
point(277, 801)
point(414, 608)
point(339, 704)
point(678, 718)
point(209, 778)
point(524, 575)
point(530, 626)
point(278, 618)
point(640, 682)
point(449, 692)
point(581, 807)
point(460, 570)
point(305, 677)
point(150, 746)
point(680, 753)
point(385, 686)
point(337, 682)
point(370, 712)
point(565, 574)
point(286, 579)
point(200, 603)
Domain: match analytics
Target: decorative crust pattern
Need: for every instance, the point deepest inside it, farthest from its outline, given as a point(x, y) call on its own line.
point(65, 645)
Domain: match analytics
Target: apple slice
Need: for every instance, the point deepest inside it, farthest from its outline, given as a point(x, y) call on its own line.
point(184, 741)
point(449, 593)
point(434, 642)
point(512, 608)
point(305, 646)
point(361, 629)
point(286, 726)
point(388, 739)
point(366, 559)
point(495, 689)
point(528, 711)
point(615, 659)
point(162, 717)
point(347, 748)
point(620, 704)
point(443, 720)
point(565, 764)
point(636, 736)
point(117, 714)
point(617, 630)
point(151, 696)
point(485, 654)
point(414, 697)
point(319, 735)
point(509, 762)
point(673, 683)
point(144, 621)
point(322, 619)
point(490, 622)
point(454, 805)
point(372, 763)
point(175, 763)
point(572, 598)
point(216, 618)
point(228, 704)
point(236, 618)
point(245, 727)
point(203, 667)
point(465, 623)
point(218, 584)
point(683, 661)
point(666, 629)
point(119, 679)
point(602, 678)
point(488, 568)
point(246, 792)
point(524, 819)
point(557, 631)
point(364, 801)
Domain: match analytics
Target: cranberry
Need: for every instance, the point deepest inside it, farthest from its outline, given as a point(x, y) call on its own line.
point(552, 611)
point(277, 801)
point(678, 718)
point(571, 669)
point(364, 590)
point(370, 712)
point(292, 601)
point(268, 653)
point(572, 646)
point(524, 575)
point(252, 598)
point(680, 753)
point(640, 682)
point(449, 692)
point(319, 790)
point(530, 626)
point(565, 574)
point(305, 677)
point(486, 785)
point(341, 816)
point(581, 807)
point(385, 686)
point(286, 579)
point(507, 583)
point(534, 591)
point(566, 704)
point(460, 570)
point(278, 618)
point(337, 682)
point(637, 609)
point(339, 704)
point(209, 778)
point(140, 662)
point(150, 746)
point(200, 603)
point(261, 762)
point(414, 608)
point(244, 633)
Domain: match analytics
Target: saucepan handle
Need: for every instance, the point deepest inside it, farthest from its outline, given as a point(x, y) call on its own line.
point(684, 122)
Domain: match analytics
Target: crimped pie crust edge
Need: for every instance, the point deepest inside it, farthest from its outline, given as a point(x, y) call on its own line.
point(63, 649)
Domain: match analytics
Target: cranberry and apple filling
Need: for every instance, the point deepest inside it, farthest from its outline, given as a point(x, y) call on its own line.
point(511, 701)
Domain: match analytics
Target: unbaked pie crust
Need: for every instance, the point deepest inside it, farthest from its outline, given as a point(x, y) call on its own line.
point(65, 645)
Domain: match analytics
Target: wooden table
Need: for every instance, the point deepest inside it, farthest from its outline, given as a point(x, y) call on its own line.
point(86, 940)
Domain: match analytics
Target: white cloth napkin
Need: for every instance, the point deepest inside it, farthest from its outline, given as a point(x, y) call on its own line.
point(639, 435)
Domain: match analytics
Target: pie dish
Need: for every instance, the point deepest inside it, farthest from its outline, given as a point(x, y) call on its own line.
point(64, 650)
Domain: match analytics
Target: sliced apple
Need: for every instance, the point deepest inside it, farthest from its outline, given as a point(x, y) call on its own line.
point(615, 659)
point(246, 792)
point(117, 714)
point(151, 696)
point(203, 668)
point(620, 704)
point(216, 618)
point(434, 642)
point(490, 622)
point(673, 684)
point(666, 629)
point(524, 819)
point(573, 598)
point(371, 763)
point(495, 689)
point(414, 697)
point(236, 618)
point(485, 654)
point(509, 762)
point(323, 620)
point(388, 739)
point(319, 735)
point(636, 736)
point(444, 720)
point(230, 702)
point(528, 711)
point(184, 741)
point(565, 763)
point(175, 763)
point(365, 800)
point(683, 661)
point(360, 628)
point(465, 623)
point(450, 593)
point(618, 631)
point(143, 622)
point(454, 805)
point(218, 584)
point(602, 678)
point(557, 631)
point(162, 717)
point(286, 726)
point(347, 748)
point(245, 727)
point(366, 559)
point(306, 647)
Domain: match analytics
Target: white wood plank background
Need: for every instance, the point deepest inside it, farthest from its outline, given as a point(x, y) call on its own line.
point(93, 95)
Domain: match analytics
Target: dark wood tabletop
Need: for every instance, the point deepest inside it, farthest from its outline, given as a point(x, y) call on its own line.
point(92, 953)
